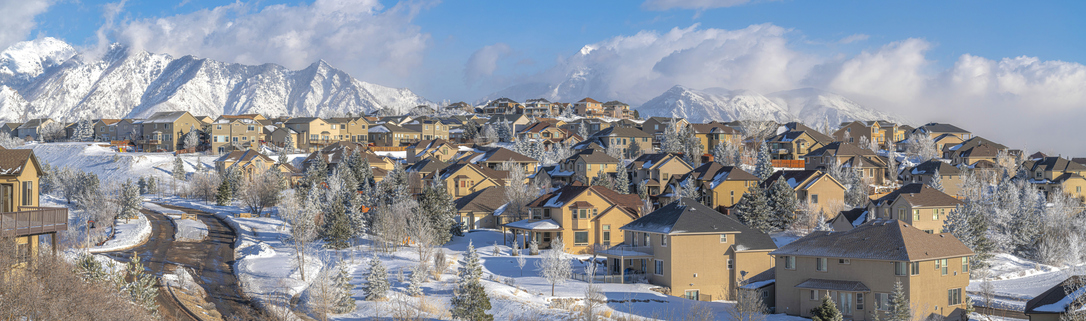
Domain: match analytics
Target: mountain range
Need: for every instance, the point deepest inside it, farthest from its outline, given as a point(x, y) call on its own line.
point(49, 78)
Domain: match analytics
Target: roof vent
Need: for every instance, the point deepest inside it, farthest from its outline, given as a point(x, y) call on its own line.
point(940, 235)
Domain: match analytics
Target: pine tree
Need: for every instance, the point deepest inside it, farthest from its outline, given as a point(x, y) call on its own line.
point(899, 304)
point(827, 311)
point(178, 168)
point(376, 287)
point(199, 164)
point(936, 181)
point(288, 143)
point(418, 276)
point(344, 302)
point(283, 158)
point(470, 301)
point(365, 174)
point(317, 171)
point(642, 190)
point(143, 289)
point(337, 229)
point(225, 194)
point(634, 150)
point(622, 183)
point(142, 185)
point(764, 165)
point(688, 189)
point(782, 201)
point(823, 223)
point(130, 201)
point(436, 202)
point(753, 209)
point(720, 153)
point(152, 185)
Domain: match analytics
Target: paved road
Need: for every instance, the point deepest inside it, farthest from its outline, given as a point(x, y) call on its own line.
point(211, 259)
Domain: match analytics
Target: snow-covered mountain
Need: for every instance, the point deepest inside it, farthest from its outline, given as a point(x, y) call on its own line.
point(46, 78)
point(810, 106)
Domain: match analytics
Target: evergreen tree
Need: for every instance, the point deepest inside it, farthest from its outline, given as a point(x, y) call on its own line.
point(936, 181)
point(283, 158)
point(337, 229)
point(143, 185)
point(582, 130)
point(764, 165)
point(376, 287)
point(622, 183)
point(365, 174)
point(143, 289)
point(438, 203)
point(968, 224)
point(199, 164)
point(418, 276)
point(634, 150)
point(720, 153)
point(827, 311)
point(344, 302)
point(470, 130)
point(288, 143)
point(48, 180)
point(899, 304)
point(687, 188)
point(84, 131)
point(823, 224)
point(470, 301)
point(753, 209)
point(130, 200)
point(178, 168)
point(225, 194)
point(354, 163)
point(642, 190)
point(782, 201)
point(317, 171)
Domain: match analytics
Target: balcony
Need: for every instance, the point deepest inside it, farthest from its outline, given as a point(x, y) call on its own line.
point(149, 142)
point(623, 250)
point(782, 151)
point(33, 220)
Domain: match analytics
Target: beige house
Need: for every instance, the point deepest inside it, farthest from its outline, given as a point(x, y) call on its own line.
point(656, 126)
point(713, 133)
point(617, 109)
point(626, 139)
point(429, 129)
point(229, 134)
point(691, 250)
point(438, 149)
point(462, 179)
point(722, 186)
point(858, 268)
point(495, 157)
point(583, 216)
point(588, 107)
point(503, 106)
point(278, 137)
point(871, 167)
point(654, 170)
point(821, 190)
point(315, 132)
point(973, 150)
point(31, 127)
point(391, 135)
point(1051, 174)
point(919, 205)
point(934, 130)
point(476, 210)
point(21, 218)
point(164, 131)
point(101, 129)
point(796, 143)
point(251, 163)
point(880, 132)
point(589, 163)
point(353, 129)
point(925, 172)
point(540, 107)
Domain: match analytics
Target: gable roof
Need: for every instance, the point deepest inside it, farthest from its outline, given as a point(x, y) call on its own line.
point(620, 132)
point(1058, 164)
point(426, 165)
point(486, 200)
point(889, 240)
point(841, 149)
point(918, 194)
point(942, 128)
point(589, 100)
point(13, 161)
point(165, 117)
point(655, 160)
point(1055, 300)
point(239, 156)
point(498, 154)
point(688, 216)
point(593, 156)
point(929, 167)
point(629, 203)
point(798, 179)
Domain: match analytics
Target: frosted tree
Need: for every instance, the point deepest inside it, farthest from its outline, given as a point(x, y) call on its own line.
point(969, 225)
point(288, 144)
point(827, 311)
point(936, 181)
point(282, 156)
point(343, 301)
point(152, 185)
point(84, 131)
point(130, 201)
point(143, 289)
point(301, 221)
point(899, 304)
point(634, 151)
point(823, 224)
point(922, 146)
point(864, 143)
point(316, 172)
point(521, 260)
point(470, 301)
point(439, 206)
point(192, 138)
point(582, 129)
point(721, 154)
point(376, 287)
point(763, 167)
point(199, 164)
point(178, 171)
point(782, 201)
point(687, 188)
point(337, 229)
point(753, 209)
point(418, 277)
point(643, 190)
point(622, 183)
point(554, 266)
point(748, 305)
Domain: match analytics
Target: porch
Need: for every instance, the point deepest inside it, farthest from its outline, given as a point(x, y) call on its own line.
point(624, 261)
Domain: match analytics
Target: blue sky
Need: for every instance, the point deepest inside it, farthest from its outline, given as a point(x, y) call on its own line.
point(540, 32)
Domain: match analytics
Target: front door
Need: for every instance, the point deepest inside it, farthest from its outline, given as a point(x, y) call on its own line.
point(844, 303)
point(7, 198)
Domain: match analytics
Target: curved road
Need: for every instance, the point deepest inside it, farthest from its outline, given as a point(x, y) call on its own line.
point(212, 259)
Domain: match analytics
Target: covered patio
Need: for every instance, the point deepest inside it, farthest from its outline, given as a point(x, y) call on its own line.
point(542, 231)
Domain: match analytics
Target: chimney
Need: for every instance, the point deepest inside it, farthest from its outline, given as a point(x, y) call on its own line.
point(707, 158)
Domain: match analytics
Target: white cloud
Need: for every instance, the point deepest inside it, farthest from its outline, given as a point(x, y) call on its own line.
point(359, 36)
point(484, 62)
point(662, 5)
point(18, 19)
point(853, 38)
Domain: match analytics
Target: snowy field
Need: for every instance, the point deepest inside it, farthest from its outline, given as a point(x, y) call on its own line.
point(1015, 281)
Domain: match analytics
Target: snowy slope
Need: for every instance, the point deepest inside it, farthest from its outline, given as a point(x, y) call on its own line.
point(713, 104)
point(813, 106)
point(51, 80)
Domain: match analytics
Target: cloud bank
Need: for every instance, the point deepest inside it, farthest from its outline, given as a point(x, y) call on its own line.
point(18, 19)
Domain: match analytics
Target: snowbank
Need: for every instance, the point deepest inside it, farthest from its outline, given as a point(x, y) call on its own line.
point(126, 235)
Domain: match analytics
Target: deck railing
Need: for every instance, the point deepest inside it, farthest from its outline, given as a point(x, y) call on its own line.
point(626, 250)
point(33, 220)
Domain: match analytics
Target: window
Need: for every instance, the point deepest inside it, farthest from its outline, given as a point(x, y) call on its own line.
point(252, 128)
point(882, 301)
point(731, 264)
point(929, 231)
point(648, 239)
point(28, 190)
point(916, 215)
point(582, 213)
point(22, 253)
point(814, 199)
point(607, 234)
point(821, 265)
point(859, 301)
point(935, 214)
point(723, 238)
point(814, 294)
point(691, 294)
point(634, 237)
point(595, 211)
point(790, 262)
point(659, 270)
point(914, 268)
point(943, 266)
point(900, 268)
point(844, 261)
point(580, 238)
point(663, 240)
point(954, 296)
point(965, 264)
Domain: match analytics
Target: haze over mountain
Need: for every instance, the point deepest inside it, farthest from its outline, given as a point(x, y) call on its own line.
point(49, 78)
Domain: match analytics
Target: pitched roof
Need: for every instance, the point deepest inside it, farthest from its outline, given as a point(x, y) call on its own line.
point(498, 154)
point(1058, 164)
point(794, 178)
point(713, 171)
point(427, 165)
point(929, 167)
point(562, 196)
point(648, 161)
point(714, 128)
point(619, 132)
point(239, 156)
point(12, 161)
point(594, 156)
point(486, 200)
point(919, 194)
point(942, 128)
point(688, 216)
point(833, 285)
point(165, 117)
point(301, 120)
point(889, 240)
point(840, 149)
point(1057, 295)
point(588, 99)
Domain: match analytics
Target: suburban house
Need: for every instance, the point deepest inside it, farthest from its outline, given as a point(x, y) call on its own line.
point(426, 166)
point(822, 191)
point(919, 205)
point(617, 109)
point(503, 106)
point(589, 163)
point(165, 131)
point(880, 132)
point(722, 186)
point(438, 149)
point(21, 218)
point(127, 129)
point(656, 126)
point(31, 128)
point(339, 152)
point(494, 157)
point(228, 134)
point(626, 139)
point(251, 163)
point(550, 133)
point(796, 143)
point(692, 250)
point(654, 170)
point(923, 173)
point(429, 129)
point(871, 167)
point(973, 150)
point(476, 210)
point(102, 129)
point(462, 178)
point(10, 129)
point(539, 107)
point(938, 129)
point(583, 216)
point(1067, 297)
point(352, 129)
point(278, 137)
point(517, 122)
point(459, 107)
point(315, 132)
point(859, 268)
point(847, 220)
point(713, 133)
point(1051, 174)
point(392, 135)
point(588, 107)
point(590, 125)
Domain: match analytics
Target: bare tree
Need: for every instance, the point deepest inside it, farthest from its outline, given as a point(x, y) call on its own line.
point(922, 146)
point(206, 185)
point(261, 192)
point(748, 304)
point(554, 266)
point(301, 220)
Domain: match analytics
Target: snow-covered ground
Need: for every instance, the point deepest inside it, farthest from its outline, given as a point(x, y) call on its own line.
point(188, 230)
point(126, 235)
point(1015, 281)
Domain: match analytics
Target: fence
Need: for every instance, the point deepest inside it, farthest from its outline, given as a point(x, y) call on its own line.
point(388, 148)
point(628, 278)
point(33, 220)
point(789, 163)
